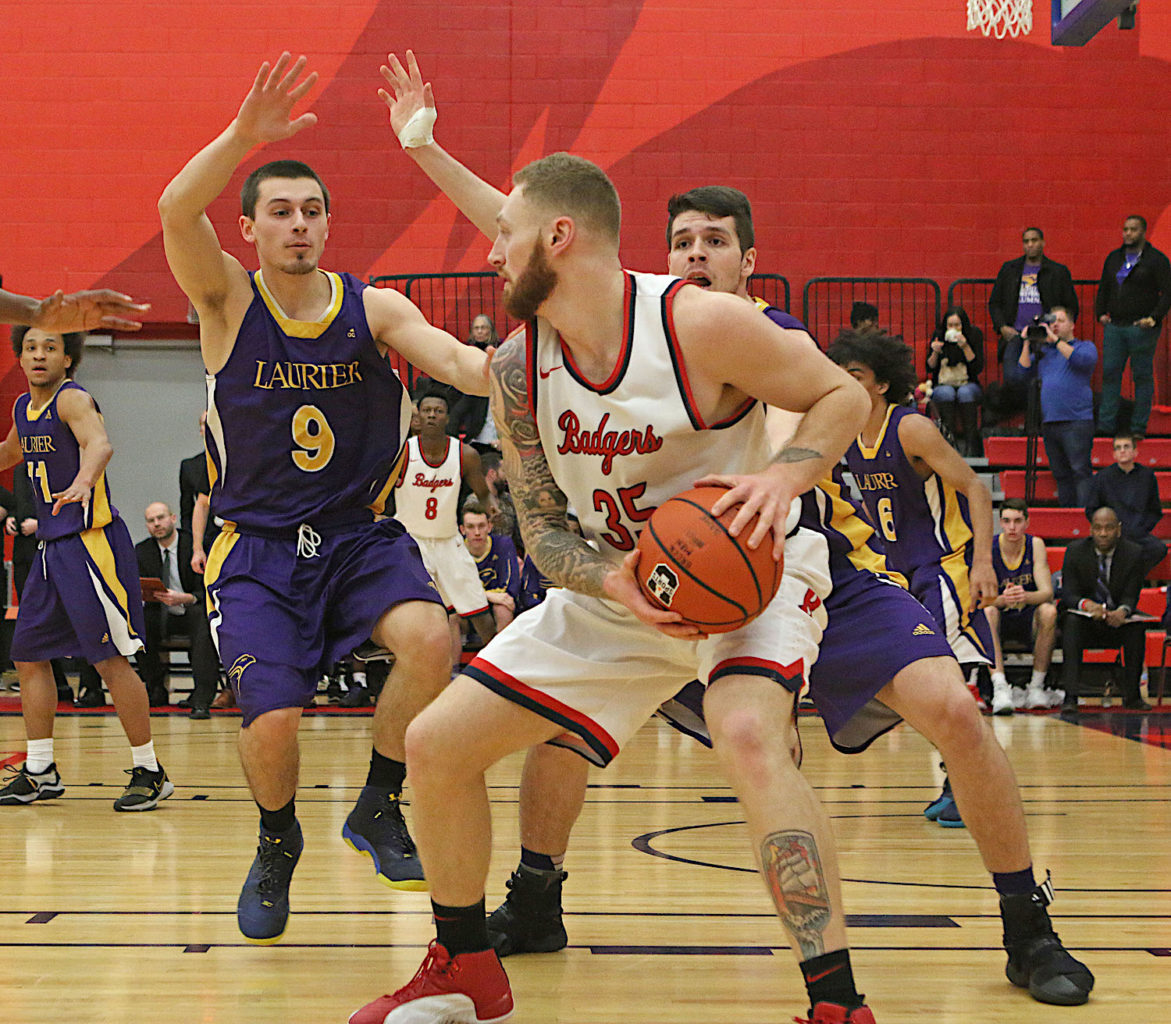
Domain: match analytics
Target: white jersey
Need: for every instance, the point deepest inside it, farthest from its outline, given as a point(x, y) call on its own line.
point(426, 499)
point(621, 447)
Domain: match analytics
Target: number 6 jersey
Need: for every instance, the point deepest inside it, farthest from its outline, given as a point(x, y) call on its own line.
point(307, 420)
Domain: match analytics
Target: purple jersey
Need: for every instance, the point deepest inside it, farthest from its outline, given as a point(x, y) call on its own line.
point(306, 422)
point(922, 521)
point(1021, 574)
point(498, 566)
point(533, 586)
point(52, 457)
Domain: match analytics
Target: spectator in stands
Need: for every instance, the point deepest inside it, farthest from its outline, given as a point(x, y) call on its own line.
point(1133, 492)
point(496, 560)
point(955, 358)
point(1065, 366)
point(1100, 582)
point(504, 522)
point(469, 413)
point(1024, 612)
point(1028, 287)
point(1133, 297)
point(179, 608)
point(863, 317)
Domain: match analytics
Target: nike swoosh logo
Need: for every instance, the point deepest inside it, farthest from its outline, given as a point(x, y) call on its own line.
point(545, 373)
point(824, 974)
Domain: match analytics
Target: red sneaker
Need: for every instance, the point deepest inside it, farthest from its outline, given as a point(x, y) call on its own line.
point(470, 988)
point(835, 1013)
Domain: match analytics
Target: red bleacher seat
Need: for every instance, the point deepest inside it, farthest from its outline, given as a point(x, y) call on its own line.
point(1069, 523)
point(1010, 451)
point(1012, 482)
point(1056, 558)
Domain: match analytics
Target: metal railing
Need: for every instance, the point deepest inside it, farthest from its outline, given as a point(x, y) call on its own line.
point(773, 288)
point(908, 306)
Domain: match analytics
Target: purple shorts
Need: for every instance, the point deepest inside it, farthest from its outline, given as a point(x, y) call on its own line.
point(82, 597)
point(281, 620)
point(1016, 625)
point(876, 629)
point(943, 590)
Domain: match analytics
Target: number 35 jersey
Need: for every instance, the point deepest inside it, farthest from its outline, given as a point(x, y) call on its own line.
point(307, 420)
point(922, 522)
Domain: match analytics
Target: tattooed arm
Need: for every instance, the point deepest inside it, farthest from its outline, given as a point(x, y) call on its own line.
point(559, 553)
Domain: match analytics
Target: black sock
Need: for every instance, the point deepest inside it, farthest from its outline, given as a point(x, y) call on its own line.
point(829, 979)
point(461, 929)
point(279, 821)
point(386, 773)
point(1014, 883)
point(536, 861)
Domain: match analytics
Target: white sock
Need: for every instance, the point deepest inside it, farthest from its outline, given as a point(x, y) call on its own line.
point(999, 679)
point(144, 756)
point(1037, 682)
point(39, 755)
point(359, 678)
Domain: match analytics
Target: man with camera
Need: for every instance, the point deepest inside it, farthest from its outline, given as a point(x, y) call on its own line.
point(1065, 367)
point(1029, 286)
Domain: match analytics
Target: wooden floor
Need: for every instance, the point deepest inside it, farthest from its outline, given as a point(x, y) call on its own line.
point(118, 918)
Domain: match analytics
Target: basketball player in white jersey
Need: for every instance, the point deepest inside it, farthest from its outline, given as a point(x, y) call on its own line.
point(426, 502)
point(624, 390)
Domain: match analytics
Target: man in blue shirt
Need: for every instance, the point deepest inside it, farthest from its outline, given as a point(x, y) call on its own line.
point(1065, 366)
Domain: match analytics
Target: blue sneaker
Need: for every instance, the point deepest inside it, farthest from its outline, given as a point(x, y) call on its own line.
point(932, 810)
point(376, 827)
point(263, 908)
point(949, 815)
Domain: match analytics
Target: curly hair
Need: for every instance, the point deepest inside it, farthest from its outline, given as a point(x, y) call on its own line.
point(73, 342)
point(887, 356)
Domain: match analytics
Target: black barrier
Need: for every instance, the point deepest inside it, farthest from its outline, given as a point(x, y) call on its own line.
point(773, 288)
point(908, 306)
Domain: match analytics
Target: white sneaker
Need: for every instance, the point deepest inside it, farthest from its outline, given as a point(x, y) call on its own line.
point(1038, 697)
point(1019, 697)
point(1001, 698)
point(1055, 698)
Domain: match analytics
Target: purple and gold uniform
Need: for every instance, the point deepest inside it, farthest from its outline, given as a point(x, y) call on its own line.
point(1016, 621)
point(306, 426)
point(499, 567)
point(82, 596)
point(927, 534)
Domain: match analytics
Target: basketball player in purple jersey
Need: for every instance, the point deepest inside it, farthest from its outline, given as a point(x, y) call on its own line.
point(862, 681)
point(305, 429)
point(82, 595)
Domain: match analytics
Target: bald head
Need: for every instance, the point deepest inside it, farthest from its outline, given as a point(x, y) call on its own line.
point(160, 521)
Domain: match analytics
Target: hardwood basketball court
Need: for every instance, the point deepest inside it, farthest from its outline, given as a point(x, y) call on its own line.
point(118, 918)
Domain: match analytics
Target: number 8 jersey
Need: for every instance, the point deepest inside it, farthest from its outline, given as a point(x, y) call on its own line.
point(922, 522)
point(306, 421)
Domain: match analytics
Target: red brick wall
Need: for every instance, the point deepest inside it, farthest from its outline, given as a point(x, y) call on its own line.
point(874, 138)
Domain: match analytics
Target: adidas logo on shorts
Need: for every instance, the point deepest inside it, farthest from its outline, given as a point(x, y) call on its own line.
point(922, 630)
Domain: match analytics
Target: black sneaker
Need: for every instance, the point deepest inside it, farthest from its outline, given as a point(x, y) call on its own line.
point(1036, 958)
point(368, 651)
point(358, 697)
point(376, 827)
point(24, 786)
point(90, 699)
point(144, 790)
point(529, 919)
point(262, 912)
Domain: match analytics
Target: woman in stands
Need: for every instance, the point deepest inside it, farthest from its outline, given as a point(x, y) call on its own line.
point(955, 358)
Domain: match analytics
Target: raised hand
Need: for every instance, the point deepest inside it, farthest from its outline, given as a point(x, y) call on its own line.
point(409, 94)
point(85, 311)
point(266, 113)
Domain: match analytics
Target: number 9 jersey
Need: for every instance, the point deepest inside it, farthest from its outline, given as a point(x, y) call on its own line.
point(307, 420)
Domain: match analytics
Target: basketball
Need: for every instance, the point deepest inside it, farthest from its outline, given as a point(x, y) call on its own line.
point(691, 564)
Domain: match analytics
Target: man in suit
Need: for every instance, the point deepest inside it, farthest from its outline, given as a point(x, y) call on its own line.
point(194, 491)
point(180, 608)
point(1101, 578)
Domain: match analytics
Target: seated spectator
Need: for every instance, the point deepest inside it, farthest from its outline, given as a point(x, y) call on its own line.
point(504, 521)
point(955, 358)
point(534, 585)
point(1100, 582)
point(496, 560)
point(1064, 365)
point(179, 609)
point(863, 317)
point(1133, 492)
point(1024, 612)
point(469, 417)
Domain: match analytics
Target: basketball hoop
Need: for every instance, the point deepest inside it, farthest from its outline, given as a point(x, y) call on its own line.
point(1001, 17)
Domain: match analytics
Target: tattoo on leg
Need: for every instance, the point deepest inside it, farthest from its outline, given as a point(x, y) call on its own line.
point(792, 868)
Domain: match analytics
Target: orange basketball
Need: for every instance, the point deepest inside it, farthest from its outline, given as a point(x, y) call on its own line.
point(691, 564)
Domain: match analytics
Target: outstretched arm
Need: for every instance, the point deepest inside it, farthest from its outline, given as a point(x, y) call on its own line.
point(412, 113)
point(78, 311)
point(78, 412)
point(212, 279)
point(10, 453)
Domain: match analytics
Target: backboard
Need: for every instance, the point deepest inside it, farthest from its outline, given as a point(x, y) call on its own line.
point(1075, 22)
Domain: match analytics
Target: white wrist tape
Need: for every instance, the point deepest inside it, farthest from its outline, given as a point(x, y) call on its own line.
point(417, 131)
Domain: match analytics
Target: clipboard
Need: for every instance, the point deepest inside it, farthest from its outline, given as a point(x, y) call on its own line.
point(152, 586)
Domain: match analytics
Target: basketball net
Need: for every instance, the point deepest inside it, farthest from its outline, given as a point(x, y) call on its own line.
point(1001, 17)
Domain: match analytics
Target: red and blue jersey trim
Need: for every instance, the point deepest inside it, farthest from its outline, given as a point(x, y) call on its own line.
point(791, 676)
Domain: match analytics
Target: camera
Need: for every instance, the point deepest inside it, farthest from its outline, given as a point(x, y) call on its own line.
point(1036, 330)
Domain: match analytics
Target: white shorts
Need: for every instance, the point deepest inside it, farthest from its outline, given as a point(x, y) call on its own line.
point(454, 571)
point(591, 667)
